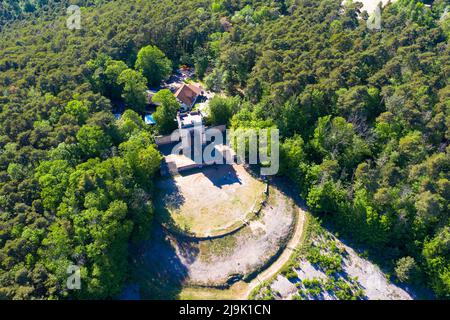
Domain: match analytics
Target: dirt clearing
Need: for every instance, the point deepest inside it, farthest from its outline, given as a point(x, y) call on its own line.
point(209, 201)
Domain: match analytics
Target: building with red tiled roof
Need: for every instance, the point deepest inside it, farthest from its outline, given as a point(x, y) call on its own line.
point(187, 95)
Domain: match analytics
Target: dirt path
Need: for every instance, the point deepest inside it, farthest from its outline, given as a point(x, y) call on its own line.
point(275, 267)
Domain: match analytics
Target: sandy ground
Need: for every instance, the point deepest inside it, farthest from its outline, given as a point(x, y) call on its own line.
point(209, 200)
point(284, 287)
point(369, 276)
point(165, 265)
point(372, 279)
point(248, 249)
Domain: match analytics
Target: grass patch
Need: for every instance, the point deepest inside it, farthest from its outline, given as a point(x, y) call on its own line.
point(217, 247)
point(235, 292)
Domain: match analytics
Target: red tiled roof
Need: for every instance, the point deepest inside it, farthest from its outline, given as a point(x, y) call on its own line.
point(187, 93)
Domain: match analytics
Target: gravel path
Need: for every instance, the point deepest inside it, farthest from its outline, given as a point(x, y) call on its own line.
point(283, 258)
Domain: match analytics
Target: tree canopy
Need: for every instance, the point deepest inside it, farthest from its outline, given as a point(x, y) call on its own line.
point(166, 112)
point(363, 115)
point(153, 64)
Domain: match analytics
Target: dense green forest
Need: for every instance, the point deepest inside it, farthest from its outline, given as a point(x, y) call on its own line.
point(365, 120)
point(12, 11)
point(75, 185)
point(363, 114)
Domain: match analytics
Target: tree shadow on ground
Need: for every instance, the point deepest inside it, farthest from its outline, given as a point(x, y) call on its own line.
point(157, 268)
point(168, 198)
point(169, 195)
point(288, 189)
point(220, 175)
